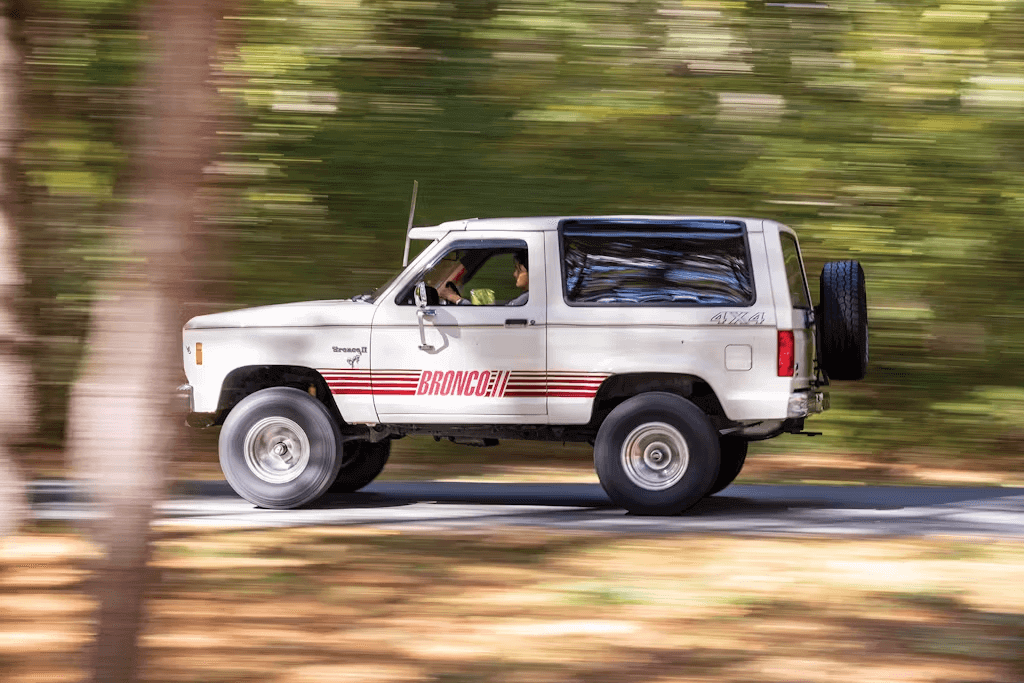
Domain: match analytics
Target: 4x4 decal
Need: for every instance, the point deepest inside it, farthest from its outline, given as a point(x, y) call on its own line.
point(482, 383)
point(739, 318)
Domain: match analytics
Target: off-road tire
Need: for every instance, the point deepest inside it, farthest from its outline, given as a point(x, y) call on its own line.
point(843, 327)
point(733, 454)
point(649, 431)
point(361, 462)
point(292, 421)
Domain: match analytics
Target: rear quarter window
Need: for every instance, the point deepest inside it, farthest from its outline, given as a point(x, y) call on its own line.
point(794, 271)
point(656, 263)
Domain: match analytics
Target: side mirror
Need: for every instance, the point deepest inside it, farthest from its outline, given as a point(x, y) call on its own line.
point(419, 294)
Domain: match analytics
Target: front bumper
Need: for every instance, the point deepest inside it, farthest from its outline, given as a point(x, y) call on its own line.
point(185, 397)
point(192, 418)
point(804, 403)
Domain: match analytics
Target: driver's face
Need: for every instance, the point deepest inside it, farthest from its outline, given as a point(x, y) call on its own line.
point(522, 276)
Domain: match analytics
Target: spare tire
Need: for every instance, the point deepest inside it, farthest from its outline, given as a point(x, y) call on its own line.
point(843, 325)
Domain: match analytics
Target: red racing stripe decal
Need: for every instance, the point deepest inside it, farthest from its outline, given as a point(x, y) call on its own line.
point(499, 383)
point(504, 384)
point(367, 383)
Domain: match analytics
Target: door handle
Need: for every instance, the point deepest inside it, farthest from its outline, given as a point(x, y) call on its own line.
point(515, 322)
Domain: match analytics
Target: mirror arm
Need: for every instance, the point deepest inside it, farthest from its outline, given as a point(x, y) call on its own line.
point(421, 314)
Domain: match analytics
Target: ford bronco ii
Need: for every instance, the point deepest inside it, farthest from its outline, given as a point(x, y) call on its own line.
point(668, 343)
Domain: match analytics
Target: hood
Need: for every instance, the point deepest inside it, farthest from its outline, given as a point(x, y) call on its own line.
point(299, 314)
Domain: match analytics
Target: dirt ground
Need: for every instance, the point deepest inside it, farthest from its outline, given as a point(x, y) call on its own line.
point(327, 604)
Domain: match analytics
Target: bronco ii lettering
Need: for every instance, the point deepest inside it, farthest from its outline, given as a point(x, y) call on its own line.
point(669, 343)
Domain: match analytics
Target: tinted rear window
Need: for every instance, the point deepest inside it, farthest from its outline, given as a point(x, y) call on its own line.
point(686, 263)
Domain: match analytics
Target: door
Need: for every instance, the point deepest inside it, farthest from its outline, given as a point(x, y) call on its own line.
point(482, 360)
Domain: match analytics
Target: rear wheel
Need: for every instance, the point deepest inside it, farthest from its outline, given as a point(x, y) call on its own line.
point(656, 454)
point(361, 462)
point(734, 454)
point(279, 448)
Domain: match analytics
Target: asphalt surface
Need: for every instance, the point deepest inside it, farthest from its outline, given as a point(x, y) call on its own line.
point(765, 510)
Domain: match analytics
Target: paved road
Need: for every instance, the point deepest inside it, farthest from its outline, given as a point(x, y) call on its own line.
point(834, 511)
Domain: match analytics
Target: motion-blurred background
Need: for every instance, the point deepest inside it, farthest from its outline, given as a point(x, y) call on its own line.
point(889, 132)
point(886, 131)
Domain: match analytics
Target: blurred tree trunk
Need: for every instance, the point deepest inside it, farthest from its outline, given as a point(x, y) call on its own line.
point(17, 409)
point(121, 418)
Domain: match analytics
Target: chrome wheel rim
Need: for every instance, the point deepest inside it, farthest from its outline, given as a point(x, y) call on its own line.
point(655, 456)
point(276, 450)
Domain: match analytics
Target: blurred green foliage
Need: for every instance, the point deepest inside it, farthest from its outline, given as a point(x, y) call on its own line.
point(891, 132)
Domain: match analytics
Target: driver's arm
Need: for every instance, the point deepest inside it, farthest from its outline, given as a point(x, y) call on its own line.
point(448, 293)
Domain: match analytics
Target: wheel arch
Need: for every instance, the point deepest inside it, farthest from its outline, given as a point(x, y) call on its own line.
point(621, 387)
point(248, 379)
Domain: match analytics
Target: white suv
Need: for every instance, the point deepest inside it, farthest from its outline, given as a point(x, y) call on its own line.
point(667, 342)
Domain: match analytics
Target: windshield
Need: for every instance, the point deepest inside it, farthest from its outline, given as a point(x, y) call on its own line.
point(372, 295)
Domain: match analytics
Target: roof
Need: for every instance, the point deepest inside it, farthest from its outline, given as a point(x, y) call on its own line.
point(547, 223)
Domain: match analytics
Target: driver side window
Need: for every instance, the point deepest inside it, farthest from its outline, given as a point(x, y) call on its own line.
point(449, 269)
point(480, 275)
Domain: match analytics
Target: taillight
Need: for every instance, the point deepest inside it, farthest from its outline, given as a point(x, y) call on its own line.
point(785, 353)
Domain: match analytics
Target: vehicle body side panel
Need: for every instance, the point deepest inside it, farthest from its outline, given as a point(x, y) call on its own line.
point(335, 340)
point(682, 340)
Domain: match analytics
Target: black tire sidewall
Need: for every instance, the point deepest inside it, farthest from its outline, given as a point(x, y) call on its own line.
point(701, 442)
point(321, 431)
point(733, 454)
point(843, 329)
point(366, 461)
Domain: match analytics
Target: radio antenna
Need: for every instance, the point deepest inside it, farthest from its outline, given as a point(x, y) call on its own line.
point(412, 212)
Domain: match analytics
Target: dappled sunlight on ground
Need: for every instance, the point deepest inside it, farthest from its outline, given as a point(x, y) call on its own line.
point(322, 604)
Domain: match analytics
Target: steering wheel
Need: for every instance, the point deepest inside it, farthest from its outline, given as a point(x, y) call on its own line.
point(451, 285)
point(432, 298)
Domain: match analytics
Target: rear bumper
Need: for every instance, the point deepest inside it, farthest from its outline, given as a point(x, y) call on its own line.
point(804, 403)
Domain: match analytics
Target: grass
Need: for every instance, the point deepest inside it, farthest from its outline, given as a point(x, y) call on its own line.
point(331, 604)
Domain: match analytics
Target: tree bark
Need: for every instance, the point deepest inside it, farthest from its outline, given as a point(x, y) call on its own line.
point(121, 417)
point(17, 409)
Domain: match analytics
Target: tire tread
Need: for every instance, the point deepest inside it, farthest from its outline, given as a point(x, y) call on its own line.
point(843, 327)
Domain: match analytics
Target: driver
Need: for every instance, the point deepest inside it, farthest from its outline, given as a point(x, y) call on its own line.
point(520, 273)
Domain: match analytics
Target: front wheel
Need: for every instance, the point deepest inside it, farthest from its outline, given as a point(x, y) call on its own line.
point(361, 462)
point(279, 448)
point(656, 454)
